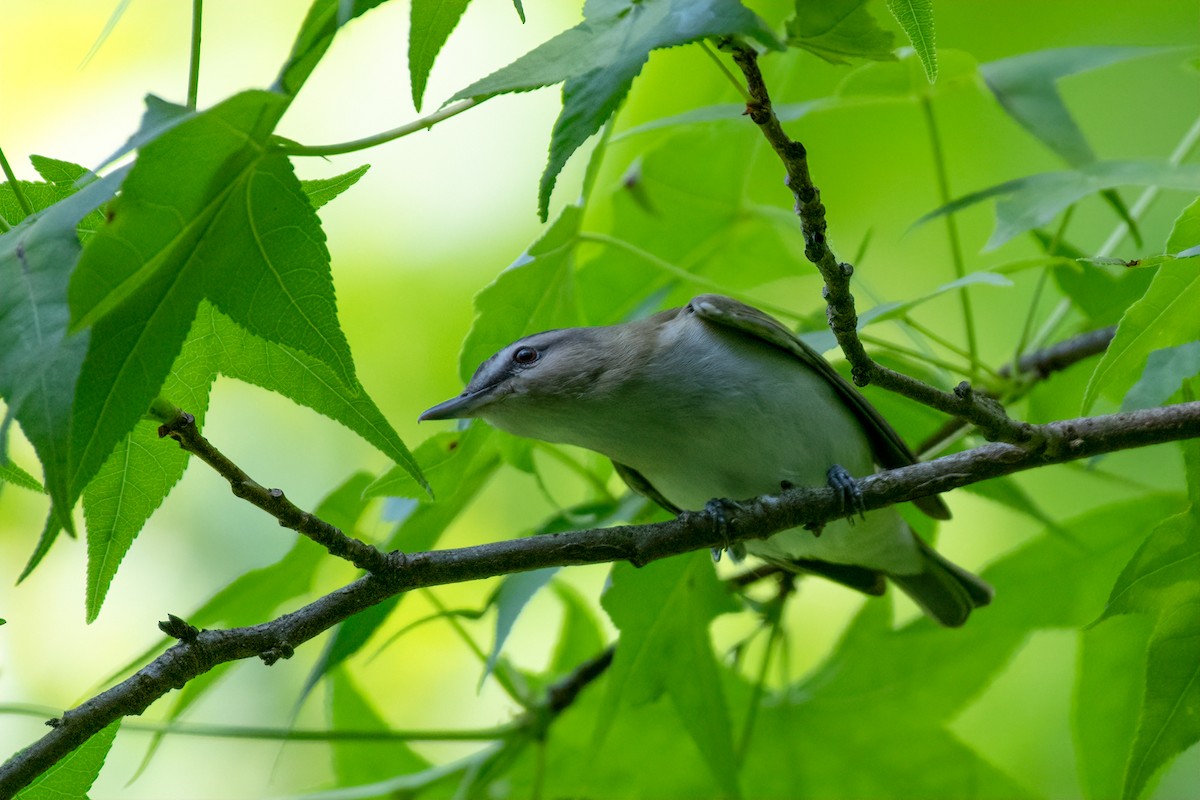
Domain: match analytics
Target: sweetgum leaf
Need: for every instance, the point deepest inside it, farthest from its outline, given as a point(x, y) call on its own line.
point(597, 60)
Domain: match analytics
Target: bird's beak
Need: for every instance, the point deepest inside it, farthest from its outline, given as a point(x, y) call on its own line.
point(465, 405)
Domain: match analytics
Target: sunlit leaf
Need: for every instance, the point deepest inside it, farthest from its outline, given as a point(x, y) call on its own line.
point(1164, 317)
point(1170, 721)
point(916, 18)
point(838, 30)
point(11, 473)
point(431, 23)
point(74, 774)
point(322, 190)
point(597, 60)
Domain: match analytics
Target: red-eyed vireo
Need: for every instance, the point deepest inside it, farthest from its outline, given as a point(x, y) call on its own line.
point(719, 400)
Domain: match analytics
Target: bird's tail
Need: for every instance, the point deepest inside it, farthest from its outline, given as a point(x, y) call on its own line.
point(944, 590)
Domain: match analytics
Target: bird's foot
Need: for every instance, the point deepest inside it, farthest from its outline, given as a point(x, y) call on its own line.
point(844, 484)
point(716, 509)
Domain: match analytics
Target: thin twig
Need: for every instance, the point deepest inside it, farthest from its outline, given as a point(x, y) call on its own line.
point(975, 407)
point(182, 428)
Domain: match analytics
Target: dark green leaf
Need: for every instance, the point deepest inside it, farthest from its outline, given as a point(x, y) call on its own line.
point(1033, 201)
point(50, 532)
point(597, 60)
point(837, 30)
point(39, 361)
point(233, 225)
point(663, 611)
point(431, 23)
point(1027, 88)
point(916, 18)
point(74, 774)
point(322, 190)
point(324, 19)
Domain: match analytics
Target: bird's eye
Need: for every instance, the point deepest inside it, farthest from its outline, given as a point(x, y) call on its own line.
point(525, 355)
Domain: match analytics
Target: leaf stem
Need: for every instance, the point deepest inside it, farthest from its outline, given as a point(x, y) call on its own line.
point(579, 469)
point(956, 255)
point(675, 270)
point(194, 63)
point(1043, 275)
point(728, 73)
point(287, 734)
point(424, 123)
point(22, 200)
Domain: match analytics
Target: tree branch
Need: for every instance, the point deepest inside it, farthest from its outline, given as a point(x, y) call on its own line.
point(199, 651)
point(975, 407)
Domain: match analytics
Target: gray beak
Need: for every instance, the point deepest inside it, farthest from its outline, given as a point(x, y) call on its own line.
point(465, 405)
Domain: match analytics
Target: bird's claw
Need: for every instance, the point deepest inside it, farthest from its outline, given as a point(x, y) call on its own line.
point(844, 484)
point(716, 509)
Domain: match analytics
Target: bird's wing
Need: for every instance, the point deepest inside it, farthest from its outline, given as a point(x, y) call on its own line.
point(636, 481)
point(889, 449)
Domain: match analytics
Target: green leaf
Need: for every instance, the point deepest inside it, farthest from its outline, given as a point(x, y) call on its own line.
point(304, 379)
point(137, 477)
point(1185, 232)
point(580, 636)
point(1164, 317)
point(824, 340)
point(1170, 721)
point(1033, 201)
point(838, 30)
point(457, 481)
point(11, 473)
point(510, 599)
point(39, 361)
point(1108, 700)
point(535, 294)
point(916, 18)
point(1098, 293)
point(235, 226)
point(322, 190)
point(358, 762)
point(1027, 88)
point(597, 60)
point(74, 775)
point(1164, 571)
point(663, 611)
point(430, 25)
point(50, 531)
point(324, 19)
point(1165, 372)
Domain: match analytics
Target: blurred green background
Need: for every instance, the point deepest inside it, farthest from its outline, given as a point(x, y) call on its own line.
point(438, 216)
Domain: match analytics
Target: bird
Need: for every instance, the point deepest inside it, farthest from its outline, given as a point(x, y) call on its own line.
point(716, 401)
